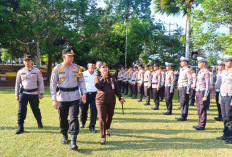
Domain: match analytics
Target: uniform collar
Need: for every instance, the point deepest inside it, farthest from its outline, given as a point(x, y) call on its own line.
point(63, 65)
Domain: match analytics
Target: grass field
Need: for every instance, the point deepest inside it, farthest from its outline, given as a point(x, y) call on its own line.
point(140, 132)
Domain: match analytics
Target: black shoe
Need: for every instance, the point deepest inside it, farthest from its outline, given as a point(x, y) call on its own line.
point(221, 138)
point(92, 130)
point(20, 129)
point(139, 100)
point(103, 141)
point(64, 139)
point(179, 108)
point(146, 104)
point(228, 141)
point(218, 119)
point(191, 105)
point(82, 126)
point(108, 134)
point(155, 108)
point(73, 144)
point(167, 113)
point(199, 127)
point(40, 125)
point(181, 119)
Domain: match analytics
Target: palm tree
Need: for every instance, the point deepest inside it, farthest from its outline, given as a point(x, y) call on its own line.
point(175, 7)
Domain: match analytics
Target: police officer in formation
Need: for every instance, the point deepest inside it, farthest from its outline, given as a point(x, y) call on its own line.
point(202, 92)
point(134, 82)
point(140, 81)
point(125, 81)
point(156, 85)
point(184, 84)
point(66, 79)
point(147, 84)
point(169, 87)
point(221, 69)
point(225, 99)
point(89, 76)
point(29, 87)
point(193, 87)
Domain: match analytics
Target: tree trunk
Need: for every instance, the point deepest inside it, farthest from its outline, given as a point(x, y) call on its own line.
point(49, 68)
point(187, 36)
point(126, 43)
point(38, 54)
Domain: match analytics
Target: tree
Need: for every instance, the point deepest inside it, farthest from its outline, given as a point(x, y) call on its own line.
point(174, 7)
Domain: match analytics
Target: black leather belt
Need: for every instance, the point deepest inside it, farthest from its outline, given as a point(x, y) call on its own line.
point(91, 93)
point(30, 90)
point(145, 81)
point(67, 89)
point(154, 83)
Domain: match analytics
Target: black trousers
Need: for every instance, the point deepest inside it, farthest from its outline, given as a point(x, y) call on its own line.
point(227, 115)
point(131, 90)
point(120, 84)
point(70, 108)
point(161, 93)
point(208, 101)
point(218, 105)
point(184, 101)
point(140, 91)
point(34, 103)
point(192, 96)
point(147, 93)
point(126, 87)
point(168, 98)
point(135, 90)
point(156, 95)
point(90, 100)
point(201, 108)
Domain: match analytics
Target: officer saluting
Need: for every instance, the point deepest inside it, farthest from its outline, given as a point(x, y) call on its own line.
point(184, 83)
point(202, 92)
point(225, 100)
point(65, 81)
point(30, 79)
point(169, 87)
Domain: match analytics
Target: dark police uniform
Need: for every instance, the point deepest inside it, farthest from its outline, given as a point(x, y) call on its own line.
point(30, 81)
point(64, 85)
point(107, 88)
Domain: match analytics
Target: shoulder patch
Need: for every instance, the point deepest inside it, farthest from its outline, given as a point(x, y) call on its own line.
point(54, 70)
point(80, 74)
point(206, 75)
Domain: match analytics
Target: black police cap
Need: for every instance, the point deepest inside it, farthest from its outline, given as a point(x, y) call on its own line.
point(28, 57)
point(68, 51)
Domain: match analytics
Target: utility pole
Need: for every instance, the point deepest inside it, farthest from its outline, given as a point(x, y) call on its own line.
point(169, 27)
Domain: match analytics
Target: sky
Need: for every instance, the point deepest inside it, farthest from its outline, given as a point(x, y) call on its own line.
point(173, 20)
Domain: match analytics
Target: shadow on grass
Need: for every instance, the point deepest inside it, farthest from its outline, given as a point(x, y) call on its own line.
point(150, 143)
point(45, 129)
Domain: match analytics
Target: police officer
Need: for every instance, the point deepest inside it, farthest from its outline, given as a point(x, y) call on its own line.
point(29, 79)
point(89, 76)
point(202, 92)
point(221, 68)
point(156, 84)
point(161, 92)
point(184, 83)
point(225, 99)
point(208, 68)
point(107, 88)
point(66, 79)
point(140, 82)
point(193, 87)
point(130, 81)
point(125, 80)
point(147, 84)
point(119, 78)
point(169, 87)
point(134, 82)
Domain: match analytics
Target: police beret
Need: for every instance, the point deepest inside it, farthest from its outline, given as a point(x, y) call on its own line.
point(91, 61)
point(201, 59)
point(184, 59)
point(28, 57)
point(68, 51)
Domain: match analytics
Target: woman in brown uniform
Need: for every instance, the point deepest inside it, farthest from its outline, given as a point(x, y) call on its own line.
point(107, 88)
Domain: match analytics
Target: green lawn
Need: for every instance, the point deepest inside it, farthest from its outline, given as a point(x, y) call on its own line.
point(140, 132)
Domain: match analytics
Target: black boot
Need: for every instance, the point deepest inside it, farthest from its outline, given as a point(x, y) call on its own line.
point(65, 139)
point(40, 125)
point(73, 144)
point(20, 129)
